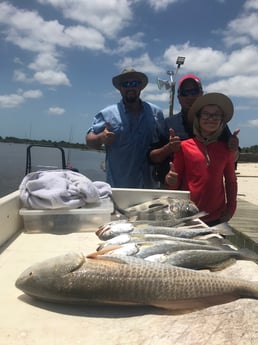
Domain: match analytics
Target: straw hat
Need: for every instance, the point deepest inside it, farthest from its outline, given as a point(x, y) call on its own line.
point(216, 98)
point(130, 72)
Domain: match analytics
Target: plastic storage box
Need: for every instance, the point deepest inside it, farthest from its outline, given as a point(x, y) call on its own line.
point(87, 218)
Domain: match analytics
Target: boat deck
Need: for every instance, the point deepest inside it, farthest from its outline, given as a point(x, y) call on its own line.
point(245, 224)
point(27, 321)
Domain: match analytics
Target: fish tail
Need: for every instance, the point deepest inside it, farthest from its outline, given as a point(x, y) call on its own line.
point(250, 290)
point(120, 210)
point(247, 254)
point(224, 229)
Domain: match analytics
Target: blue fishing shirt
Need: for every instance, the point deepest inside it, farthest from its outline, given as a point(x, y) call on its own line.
point(127, 163)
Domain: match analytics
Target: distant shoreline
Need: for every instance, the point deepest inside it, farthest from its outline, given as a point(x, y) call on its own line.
point(64, 144)
point(248, 158)
point(247, 155)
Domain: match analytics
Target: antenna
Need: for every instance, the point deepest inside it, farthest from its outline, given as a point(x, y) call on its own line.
point(170, 84)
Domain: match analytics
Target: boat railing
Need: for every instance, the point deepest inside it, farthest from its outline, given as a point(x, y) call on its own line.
point(48, 166)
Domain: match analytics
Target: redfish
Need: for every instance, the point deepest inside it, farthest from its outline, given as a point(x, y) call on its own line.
point(102, 280)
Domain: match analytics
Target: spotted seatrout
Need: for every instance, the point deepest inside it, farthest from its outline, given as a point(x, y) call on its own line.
point(198, 259)
point(74, 278)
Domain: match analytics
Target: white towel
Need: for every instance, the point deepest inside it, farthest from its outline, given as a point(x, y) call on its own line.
point(52, 189)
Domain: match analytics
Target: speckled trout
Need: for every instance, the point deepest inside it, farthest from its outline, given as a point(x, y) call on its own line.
point(76, 278)
point(204, 259)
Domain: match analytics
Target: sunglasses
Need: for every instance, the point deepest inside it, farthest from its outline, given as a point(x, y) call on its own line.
point(193, 92)
point(127, 84)
point(205, 116)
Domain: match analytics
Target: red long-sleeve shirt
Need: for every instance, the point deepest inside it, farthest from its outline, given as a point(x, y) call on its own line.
point(213, 185)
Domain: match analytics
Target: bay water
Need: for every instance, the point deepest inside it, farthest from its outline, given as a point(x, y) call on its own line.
point(13, 163)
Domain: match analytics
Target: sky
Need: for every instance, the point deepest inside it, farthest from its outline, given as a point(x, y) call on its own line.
point(58, 58)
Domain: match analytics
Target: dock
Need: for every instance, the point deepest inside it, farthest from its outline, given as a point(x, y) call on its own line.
point(245, 224)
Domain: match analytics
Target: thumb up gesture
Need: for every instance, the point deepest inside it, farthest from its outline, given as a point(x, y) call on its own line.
point(174, 141)
point(171, 177)
point(108, 136)
point(233, 141)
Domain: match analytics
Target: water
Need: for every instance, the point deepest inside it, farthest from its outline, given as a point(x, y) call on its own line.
point(13, 163)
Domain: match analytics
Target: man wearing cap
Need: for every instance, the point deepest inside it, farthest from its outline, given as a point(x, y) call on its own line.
point(127, 129)
point(204, 165)
point(178, 127)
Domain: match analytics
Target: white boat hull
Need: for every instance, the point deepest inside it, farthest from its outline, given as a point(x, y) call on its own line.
point(26, 321)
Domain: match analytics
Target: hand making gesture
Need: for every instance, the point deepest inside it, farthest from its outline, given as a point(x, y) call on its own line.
point(174, 141)
point(171, 177)
point(233, 141)
point(107, 136)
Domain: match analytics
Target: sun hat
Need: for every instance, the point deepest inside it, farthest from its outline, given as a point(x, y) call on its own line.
point(219, 99)
point(132, 73)
point(189, 76)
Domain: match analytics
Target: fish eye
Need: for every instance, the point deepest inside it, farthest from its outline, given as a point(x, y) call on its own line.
point(30, 274)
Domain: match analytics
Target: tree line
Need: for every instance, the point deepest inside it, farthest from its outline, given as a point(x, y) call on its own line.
point(247, 153)
point(44, 142)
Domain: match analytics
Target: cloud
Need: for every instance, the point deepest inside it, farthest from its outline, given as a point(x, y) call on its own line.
point(240, 62)
point(202, 60)
point(29, 31)
point(19, 75)
point(158, 5)
point(15, 100)
point(45, 61)
point(50, 77)
point(251, 4)
point(49, 70)
point(33, 94)
point(244, 29)
point(238, 86)
point(85, 38)
point(157, 97)
point(127, 44)
point(56, 110)
point(107, 17)
point(142, 63)
point(252, 123)
point(234, 73)
point(11, 101)
point(18, 61)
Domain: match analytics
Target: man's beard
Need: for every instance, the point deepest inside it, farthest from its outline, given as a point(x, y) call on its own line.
point(131, 97)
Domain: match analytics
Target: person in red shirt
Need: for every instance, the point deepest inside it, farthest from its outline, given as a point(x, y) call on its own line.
point(204, 165)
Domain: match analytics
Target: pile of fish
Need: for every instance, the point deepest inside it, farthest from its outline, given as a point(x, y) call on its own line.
point(196, 248)
point(180, 244)
point(153, 260)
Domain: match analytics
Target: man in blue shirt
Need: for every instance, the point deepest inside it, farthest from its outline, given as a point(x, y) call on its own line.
point(127, 129)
